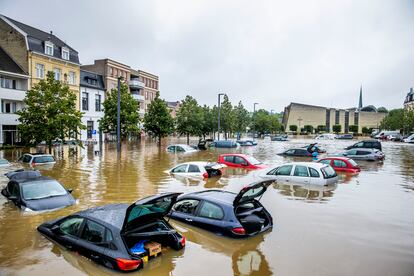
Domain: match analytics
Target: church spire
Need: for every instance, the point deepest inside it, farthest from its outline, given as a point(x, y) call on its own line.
point(360, 98)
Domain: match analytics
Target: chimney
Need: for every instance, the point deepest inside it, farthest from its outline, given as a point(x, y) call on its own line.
point(51, 32)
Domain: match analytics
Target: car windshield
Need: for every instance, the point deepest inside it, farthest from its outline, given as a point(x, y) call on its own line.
point(353, 163)
point(328, 172)
point(253, 160)
point(42, 189)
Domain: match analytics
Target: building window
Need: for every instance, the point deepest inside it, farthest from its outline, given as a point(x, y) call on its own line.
point(85, 100)
point(14, 107)
point(58, 73)
point(72, 78)
point(65, 53)
point(49, 48)
point(92, 81)
point(110, 70)
point(40, 71)
point(97, 102)
point(356, 118)
point(7, 83)
point(336, 117)
point(89, 129)
point(7, 107)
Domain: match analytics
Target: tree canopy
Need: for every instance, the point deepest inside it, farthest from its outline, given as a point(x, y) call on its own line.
point(189, 118)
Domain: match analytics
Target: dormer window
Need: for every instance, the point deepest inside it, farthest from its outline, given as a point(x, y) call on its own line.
point(65, 53)
point(49, 48)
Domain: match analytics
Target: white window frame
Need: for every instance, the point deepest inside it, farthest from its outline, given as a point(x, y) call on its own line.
point(65, 51)
point(49, 44)
point(40, 71)
point(60, 73)
point(72, 77)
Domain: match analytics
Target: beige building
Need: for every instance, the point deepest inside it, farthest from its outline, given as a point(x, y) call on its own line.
point(174, 107)
point(303, 114)
point(142, 85)
point(409, 99)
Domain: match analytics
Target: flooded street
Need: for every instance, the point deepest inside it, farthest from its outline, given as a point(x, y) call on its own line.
point(364, 225)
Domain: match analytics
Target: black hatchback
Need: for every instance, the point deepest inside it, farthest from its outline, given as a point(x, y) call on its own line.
point(226, 213)
point(296, 152)
point(114, 235)
point(367, 144)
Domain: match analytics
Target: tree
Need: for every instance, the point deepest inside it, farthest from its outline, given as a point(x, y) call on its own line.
point(189, 118)
point(321, 128)
point(275, 125)
point(394, 120)
point(366, 130)
point(49, 113)
point(353, 128)
point(308, 128)
point(261, 121)
point(241, 118)
point(208, 121)
point(129, 113)
point(226, 116)
point(293, 128)
point(337, 128)
point(157, 120)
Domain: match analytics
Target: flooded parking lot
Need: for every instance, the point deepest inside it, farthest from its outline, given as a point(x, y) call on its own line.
point(364, 225)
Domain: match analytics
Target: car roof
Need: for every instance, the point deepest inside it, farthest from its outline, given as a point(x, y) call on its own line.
point(111, 214)
point(34, 179)
point(37, 154)
point(335, 158)
point(234, 154)
point(367, 149)
point(314, 165)
point(370, 140)
point(198, 163)
point(217, 196)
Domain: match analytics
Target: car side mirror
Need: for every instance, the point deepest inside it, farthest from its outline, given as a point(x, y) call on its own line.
point(56, 229)
point(70, 190)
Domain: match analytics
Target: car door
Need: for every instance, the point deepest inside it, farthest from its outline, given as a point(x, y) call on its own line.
point(280, 174)
point(339, 165)
point(180, 170)
point(93, 241)
point(315, 177)
point(300, 175)
point(185, 210)
point(209, 216)
point(352, 154)
point(240, 162)
point(229, 160)
point(13, 189)
point(193, 170)
point(68, 232)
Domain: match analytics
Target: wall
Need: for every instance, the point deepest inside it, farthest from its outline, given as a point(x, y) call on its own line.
point(14, 44)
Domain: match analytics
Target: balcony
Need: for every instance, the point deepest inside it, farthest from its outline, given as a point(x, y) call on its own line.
point(12, 94)
point(9, 119)
point(138, 97)
point(136, 84)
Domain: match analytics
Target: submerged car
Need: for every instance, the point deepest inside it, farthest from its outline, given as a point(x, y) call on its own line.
point(181, 148)
point(341, 164)
point(296, 152)
point(325, 136)
point(240, 161)
point(314, 148)
point(4, 163)
point(34, 159)
point(117, 235)
point(344, 136)
point(36, 193)
point(246, 142)
point(226, 213)
point(197, 169)
point(224, 144)
point(409, 139)
point(302, 173)
point(367, 144)
point(364, 154)
point(279, 138)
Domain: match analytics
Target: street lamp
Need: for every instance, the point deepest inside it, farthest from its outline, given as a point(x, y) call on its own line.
point(218, 123)
point(118, 118)
point(254, 123)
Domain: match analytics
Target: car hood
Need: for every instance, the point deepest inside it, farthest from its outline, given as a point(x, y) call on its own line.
point(50, 203)
point(152, 207)
point(252, 191)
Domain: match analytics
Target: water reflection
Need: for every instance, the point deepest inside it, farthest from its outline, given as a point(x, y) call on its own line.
point(309, 192)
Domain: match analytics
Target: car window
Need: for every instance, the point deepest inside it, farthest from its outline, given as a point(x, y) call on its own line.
point(42, 189)
point(26, 158)
point(253, 160)
point(284, 170)
point(193, 168)
point(339, 163)
point(71, 226)
point(301, 152)
point(325, 161)
point(43, 159)
point(353, 163)
point(171, 148)
point(229, 159)
point(313, 173)
point(180, 149)
point(359, 145)
point(351, 152)
point(368, 145)
point(301, 171)
point(93, 232)
point(291, 151)
point(210, 210)
point(362, 152)
point(328, 172)
point(180, 169)
point(13, 189)
point(239, 160)
point(187, 206)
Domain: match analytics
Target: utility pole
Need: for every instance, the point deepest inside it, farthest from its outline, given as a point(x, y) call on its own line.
point(218, 123)
point(118, 118)
point(254, 123)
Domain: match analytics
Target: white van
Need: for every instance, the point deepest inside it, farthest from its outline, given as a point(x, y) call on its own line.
point(385, 133)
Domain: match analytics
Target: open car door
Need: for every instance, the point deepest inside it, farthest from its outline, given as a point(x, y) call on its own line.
point(252, 191)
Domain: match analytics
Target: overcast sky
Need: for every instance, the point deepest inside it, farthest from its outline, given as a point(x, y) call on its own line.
point(269, 52)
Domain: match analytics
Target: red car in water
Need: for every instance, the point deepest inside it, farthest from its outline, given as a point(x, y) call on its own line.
point(341, 164)
point(240, 161)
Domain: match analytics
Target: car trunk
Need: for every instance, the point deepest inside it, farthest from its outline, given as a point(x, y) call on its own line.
point(214, 169)
point(251, 214)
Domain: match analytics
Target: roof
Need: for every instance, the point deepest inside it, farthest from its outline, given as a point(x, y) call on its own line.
point(235, 154)
point(7, 64)
point(216, 196)
point(36, 41)
point(112, 214)
point(308, 164)
point(173, 104)
point(33, 179)
point(86, 76)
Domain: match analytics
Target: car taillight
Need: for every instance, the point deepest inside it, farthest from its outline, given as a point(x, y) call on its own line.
point(205, 175)
point(125, 264)
point(182, 242)
point(238, 231)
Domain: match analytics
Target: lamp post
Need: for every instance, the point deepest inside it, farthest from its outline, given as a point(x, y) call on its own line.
point(118, 118)
point(254, 123)
point(218, 123)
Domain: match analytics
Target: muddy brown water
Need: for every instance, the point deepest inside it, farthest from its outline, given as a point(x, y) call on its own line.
point(364, 225)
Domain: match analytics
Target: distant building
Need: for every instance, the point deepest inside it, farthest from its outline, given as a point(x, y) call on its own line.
point(173, 107)
point(13, 87)
point(409, 99)
point(92, 89)
point(303, 114)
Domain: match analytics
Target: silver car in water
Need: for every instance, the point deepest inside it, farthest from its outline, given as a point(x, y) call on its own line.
point(366, 154)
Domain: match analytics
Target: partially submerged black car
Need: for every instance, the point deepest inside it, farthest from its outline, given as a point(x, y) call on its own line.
point(109, 234)
point(31, 191)
point(226, 213)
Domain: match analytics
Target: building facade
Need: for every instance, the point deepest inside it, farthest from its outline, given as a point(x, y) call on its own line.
point(13, 87)
point(303, 114)
point(92, 91)
point(174, 107)
point(409, 99)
